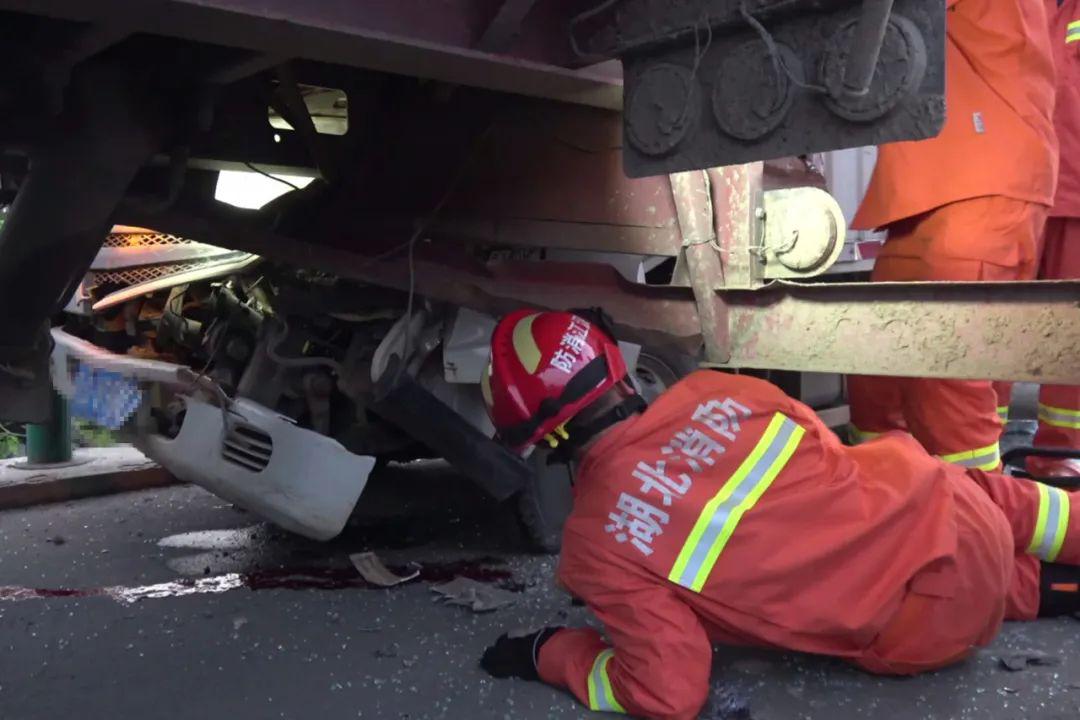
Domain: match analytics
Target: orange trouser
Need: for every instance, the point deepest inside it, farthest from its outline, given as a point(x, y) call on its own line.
point(1059, 405)
point(988, 238)
point(955, 619)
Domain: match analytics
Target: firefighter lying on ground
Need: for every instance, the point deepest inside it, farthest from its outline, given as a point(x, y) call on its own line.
point(727, 512)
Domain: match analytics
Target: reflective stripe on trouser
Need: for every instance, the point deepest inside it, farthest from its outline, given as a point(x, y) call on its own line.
point(1059, 417)
point(1003, 413)
point(860, 436)
point(601, 696)
point(984, 458)
point(739, 494)
point(1052, 523)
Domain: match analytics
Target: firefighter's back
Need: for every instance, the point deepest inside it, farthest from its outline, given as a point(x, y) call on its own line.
point(772, 530)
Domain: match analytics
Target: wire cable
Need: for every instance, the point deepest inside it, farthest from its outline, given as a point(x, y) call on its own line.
point(262, 172)
point(699, 53)
point(385, 254)
point(582, 17)
point(5, 431)
point(779, 65)
point(421, 228)
point(406, 348)
point(298, 362)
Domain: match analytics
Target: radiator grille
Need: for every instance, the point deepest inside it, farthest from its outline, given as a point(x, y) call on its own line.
point(119, 240)
point(144, 273)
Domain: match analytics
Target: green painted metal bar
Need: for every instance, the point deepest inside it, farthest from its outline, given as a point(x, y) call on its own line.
point(50, 442)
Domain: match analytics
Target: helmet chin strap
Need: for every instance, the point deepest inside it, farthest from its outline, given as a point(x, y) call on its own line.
point(580, 434)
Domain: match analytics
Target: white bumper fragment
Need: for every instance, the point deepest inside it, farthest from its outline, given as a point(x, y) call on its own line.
point(247, 454)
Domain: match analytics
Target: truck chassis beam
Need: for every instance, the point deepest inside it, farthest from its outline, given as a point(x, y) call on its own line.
point(435, 41)
point(975, 330)
point(1002, 331)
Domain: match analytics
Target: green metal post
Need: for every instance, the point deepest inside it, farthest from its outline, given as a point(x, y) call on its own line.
point(50, 442)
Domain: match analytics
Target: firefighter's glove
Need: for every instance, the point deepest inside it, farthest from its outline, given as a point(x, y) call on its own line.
point(515, 655)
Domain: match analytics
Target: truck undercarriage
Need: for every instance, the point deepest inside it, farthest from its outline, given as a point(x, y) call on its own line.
point(470, 155)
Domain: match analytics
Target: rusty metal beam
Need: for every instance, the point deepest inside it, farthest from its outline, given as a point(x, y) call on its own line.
point(618, 236)
point(505, 25)
point(1006, 331)
point(999, 331)
point(660, 316)
point(415, 38)
point(693, 204)
point(555, 234)
point(252, 64)
point(737, 203)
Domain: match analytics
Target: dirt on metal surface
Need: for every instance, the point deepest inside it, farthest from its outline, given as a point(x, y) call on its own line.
point(906, 101)
point(693, 201)
point(953, 330)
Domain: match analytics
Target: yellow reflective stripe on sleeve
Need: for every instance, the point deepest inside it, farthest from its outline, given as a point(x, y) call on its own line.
point(1003, 413)
point(1059, 417)
point(1072, 32)
point(739, 494)
point(860, 436)
point(601, 696)
point(1052, 523)
point(984, 458)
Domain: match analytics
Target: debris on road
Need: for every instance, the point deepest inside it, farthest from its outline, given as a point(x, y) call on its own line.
point(474, 595)
point(1016, 662)
point(375, 572)
point(224, 539)
point(335, 627)
point(725, 703)
point(390, 651)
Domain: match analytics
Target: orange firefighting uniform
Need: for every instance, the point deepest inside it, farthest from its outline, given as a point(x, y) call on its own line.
point(1059, 405)
point(969, 204)
point(729, 513)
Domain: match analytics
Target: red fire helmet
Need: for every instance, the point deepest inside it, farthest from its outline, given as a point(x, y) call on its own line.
point(545, 368)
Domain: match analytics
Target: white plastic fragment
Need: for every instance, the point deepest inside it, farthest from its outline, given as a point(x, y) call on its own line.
point(476, 596)
point(371, 568)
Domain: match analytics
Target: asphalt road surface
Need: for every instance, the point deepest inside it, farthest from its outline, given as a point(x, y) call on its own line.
point(149, 605)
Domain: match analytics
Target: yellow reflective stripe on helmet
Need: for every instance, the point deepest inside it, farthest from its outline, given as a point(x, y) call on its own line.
point(984, 458)
point(1052, 523)
point(601, 696)
point(721, 515)
point(860, 436)
point(485, 386)
point(1059, 417)
point(1003, 413)
point(525, 346)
